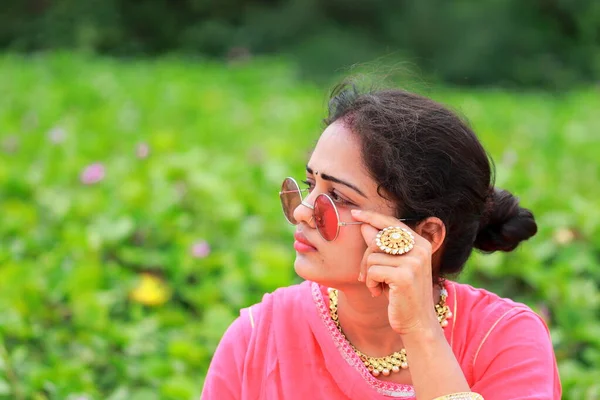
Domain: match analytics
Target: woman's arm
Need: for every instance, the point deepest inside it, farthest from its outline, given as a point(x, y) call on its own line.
point(515, 359)
point(512, 359)
point(406, 280)
point(224, 378)
point(433, 367)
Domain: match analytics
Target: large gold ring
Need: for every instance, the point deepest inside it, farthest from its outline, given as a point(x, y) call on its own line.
point(395, 240)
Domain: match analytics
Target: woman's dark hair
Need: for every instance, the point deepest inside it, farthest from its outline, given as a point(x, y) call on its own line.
point(430, 163)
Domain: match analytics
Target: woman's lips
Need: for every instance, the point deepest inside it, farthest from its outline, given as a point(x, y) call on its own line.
point(302, 245)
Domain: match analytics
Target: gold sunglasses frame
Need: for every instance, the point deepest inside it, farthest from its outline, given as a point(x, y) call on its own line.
point(302, 202)
point(337, 214)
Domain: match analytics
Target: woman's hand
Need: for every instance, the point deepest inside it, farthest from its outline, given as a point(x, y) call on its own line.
point(405, 279)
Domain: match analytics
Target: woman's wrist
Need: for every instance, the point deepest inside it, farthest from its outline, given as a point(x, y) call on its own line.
point(423, 335)
point(461, 396)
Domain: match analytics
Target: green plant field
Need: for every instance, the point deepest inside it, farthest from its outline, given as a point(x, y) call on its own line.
point(139, 212)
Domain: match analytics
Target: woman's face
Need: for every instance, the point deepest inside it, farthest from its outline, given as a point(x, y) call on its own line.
point(336, 168)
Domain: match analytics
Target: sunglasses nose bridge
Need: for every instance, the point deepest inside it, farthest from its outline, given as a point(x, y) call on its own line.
point(305, 204)
point(303, 212)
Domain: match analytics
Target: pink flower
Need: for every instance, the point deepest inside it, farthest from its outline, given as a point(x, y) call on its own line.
point(200, 249)
point(142, 150)
point(544, 312)
point(10, 144)
point(57, 135)
point(93, 173)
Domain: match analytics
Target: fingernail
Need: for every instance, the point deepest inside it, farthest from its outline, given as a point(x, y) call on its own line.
point(360, 277)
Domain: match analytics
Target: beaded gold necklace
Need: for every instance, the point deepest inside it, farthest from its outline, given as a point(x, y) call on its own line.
point(398, 360)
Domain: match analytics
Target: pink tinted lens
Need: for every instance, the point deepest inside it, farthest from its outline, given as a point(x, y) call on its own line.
point(326, 217)
point(290, 199)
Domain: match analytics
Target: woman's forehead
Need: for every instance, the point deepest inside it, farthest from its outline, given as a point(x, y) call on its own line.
point(337, 150)
point(338, 153)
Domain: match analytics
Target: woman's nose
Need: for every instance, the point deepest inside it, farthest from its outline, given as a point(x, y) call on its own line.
point(304, 212)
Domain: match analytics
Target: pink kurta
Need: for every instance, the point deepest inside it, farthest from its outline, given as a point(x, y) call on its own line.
point(287, 347)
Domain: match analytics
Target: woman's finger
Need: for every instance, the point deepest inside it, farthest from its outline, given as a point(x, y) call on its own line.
point(376, 275)
point(369, 234)
point(392, 260)
point(381, 221)
point(386, 275)
point(374, 255)
point(376, 219)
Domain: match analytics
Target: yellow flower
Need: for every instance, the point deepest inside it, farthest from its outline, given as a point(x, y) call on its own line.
point(150, 291)
point(564, 236)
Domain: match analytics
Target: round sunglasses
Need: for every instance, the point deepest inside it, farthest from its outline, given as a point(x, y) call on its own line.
point(325, 213)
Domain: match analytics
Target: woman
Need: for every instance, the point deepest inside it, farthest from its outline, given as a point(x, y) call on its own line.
point(399, 192)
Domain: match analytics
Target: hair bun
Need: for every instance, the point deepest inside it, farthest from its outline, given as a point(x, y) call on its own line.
point(504, 224)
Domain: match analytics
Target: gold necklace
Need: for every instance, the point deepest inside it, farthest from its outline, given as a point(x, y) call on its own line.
point(398, 360)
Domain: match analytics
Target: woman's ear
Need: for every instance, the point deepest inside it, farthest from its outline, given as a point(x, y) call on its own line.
point(434, 230)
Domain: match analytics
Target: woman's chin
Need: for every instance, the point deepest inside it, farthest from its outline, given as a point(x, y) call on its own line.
point(316, 272)
point(307, 270)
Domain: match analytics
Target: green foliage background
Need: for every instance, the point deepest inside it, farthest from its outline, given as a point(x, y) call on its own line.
point(221, 138)
point(549, 43)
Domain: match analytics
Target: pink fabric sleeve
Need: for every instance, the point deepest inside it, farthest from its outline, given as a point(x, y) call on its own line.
point(225, 373)
point(515, 360)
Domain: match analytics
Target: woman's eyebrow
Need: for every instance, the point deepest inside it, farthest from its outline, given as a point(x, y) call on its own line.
point(336, 180)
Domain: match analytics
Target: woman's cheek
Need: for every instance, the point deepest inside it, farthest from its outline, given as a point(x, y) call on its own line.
point(351, 250)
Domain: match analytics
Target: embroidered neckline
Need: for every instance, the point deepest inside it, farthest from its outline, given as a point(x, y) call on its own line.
point(385, 388)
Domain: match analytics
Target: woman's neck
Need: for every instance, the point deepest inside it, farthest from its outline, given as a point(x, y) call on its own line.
point(364, 321)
